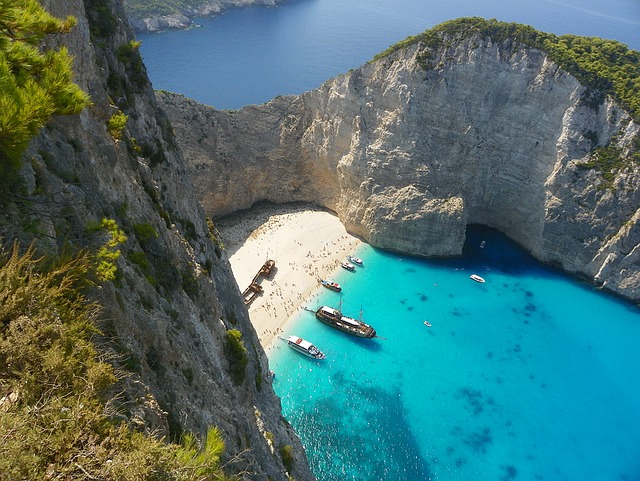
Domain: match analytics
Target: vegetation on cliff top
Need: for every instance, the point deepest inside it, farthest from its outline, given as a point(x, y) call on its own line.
point(605, 67)
point(34, 83)
point(156, 8)
point(58, 418)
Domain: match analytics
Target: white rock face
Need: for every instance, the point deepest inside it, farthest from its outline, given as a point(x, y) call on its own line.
point(408, 157)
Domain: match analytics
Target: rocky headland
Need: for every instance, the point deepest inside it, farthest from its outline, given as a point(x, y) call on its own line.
point(414, 146)
point(177, 15)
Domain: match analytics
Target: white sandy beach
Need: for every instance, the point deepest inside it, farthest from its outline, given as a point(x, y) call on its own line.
point(307, 245)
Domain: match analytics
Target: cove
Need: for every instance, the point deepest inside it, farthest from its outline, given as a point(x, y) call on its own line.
point(531, 375)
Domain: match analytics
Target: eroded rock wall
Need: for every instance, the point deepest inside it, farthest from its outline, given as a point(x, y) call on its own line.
point(408, 157)
point(174, 299)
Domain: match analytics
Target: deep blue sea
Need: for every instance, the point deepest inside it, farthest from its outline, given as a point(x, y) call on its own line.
point(532, 375)
point(251, 55)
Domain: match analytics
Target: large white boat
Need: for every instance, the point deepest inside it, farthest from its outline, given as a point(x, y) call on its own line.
point(304, 347)
point(476, 278)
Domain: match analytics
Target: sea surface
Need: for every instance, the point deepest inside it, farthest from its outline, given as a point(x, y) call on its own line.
point(529, 376)
point(532, 375)
point(251, 55)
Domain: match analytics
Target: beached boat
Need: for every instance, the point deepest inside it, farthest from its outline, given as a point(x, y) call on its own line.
point(476, 278)
point(348, 266)
point(334, 318)
point(334, 286)
point(355, 260)
point(304, 347)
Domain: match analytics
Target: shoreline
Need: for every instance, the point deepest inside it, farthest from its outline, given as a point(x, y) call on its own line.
point(307, 244)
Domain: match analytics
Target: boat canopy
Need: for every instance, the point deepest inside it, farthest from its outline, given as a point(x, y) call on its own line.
point(329, 310)
point(350, 321)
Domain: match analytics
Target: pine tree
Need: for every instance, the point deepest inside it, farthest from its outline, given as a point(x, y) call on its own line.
point(35, 83)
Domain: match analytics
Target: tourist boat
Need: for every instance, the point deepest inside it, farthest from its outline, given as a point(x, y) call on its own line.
point(355, 260)
point(476, 278)
point(304, 347)
point(334, 286)
point(348, 266)
point(334, 318)
point(427, 323)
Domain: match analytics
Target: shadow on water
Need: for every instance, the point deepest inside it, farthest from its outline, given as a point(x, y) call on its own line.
point(345, 433)
point(486, 247)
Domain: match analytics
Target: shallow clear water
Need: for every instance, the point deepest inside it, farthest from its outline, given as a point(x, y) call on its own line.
point(251, 55)
point(529, 376)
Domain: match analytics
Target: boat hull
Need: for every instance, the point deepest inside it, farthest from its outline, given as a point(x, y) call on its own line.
point(305, 347)
point(334, 318)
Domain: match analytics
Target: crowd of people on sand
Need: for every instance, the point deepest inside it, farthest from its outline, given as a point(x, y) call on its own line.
point(280, 236)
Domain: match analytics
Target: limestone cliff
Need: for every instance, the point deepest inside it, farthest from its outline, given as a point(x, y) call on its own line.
point(168, 313)
point(408, 154)
point(145, 18)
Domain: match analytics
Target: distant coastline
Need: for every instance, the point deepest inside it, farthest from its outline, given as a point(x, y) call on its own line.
point(173, 14)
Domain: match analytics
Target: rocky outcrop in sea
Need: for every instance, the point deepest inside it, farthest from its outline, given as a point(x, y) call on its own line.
point(407, 155)
point(183, 17)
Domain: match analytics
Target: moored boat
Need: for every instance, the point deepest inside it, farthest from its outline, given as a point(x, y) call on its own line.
point(304, 347)
point(476, 278)
point(355, 260)
point(348, 266)
point(334, 286)
point(334, 318)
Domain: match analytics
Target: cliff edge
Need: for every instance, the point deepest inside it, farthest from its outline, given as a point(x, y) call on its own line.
point(173, 318)
point(453, 128)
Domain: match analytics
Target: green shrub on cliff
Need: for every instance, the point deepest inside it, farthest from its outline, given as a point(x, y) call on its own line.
point(236, 354)
point(605, 67)
point(34, 83)
point(56, 418)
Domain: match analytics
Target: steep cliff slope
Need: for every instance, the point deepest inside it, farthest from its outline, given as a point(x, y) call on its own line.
point(172, 310)
point(411, 148)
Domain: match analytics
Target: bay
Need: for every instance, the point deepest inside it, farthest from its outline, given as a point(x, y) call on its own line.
point(251, 55)
point(531, 375)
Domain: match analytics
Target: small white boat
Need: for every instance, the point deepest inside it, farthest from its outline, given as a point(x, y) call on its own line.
point(427, 323)
point(355, 260)
point(334, 286)
point(482, 244)
point(304, 347)
point(476, 278)
point(348, 266)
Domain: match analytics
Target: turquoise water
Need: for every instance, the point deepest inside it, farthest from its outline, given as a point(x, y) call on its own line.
point(251, 55)
point(529, 376)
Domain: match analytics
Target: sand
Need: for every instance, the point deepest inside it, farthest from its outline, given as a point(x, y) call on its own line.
point(307, 245)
